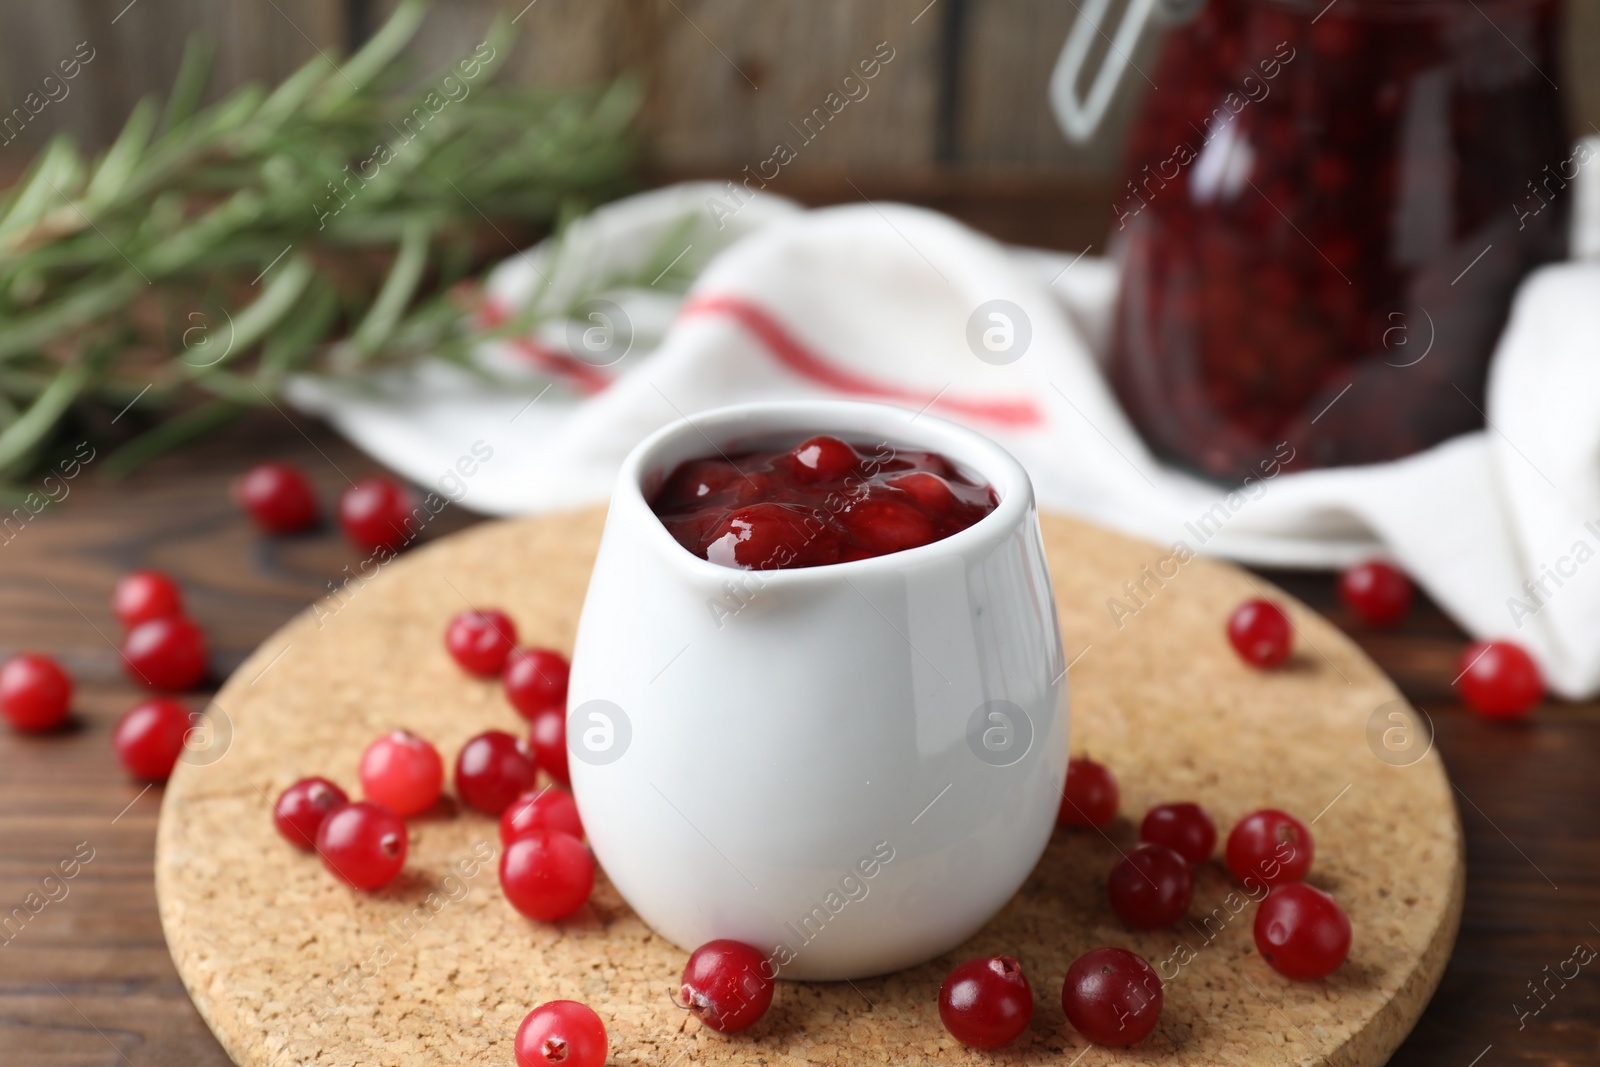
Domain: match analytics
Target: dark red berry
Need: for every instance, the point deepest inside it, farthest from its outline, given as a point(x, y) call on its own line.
point(1301, 932)
point(770, 536)
point(1499, 679)
point(277, 497)
point(35, 692)
point(1378, 592)
point(986, 1002)
point(546, 809)
point(363, 844)
point(376, 514)
point(144, 595)
point(1090, 797)
point(536, 679)
point(165, 653)
point(480, 641)
point(149, 739)
point(727, 985)
point(930, 491)
point(823, 459)
point(402, 772)
point(1150, 887)
point(546, 875)
point(562, 1033)
point(549, 739)
point(1260, 633)
point(302, 808)
point(1270, 847)
point(1185, 828)
point(881, 526)
point(1112, 997)
point(492, 770)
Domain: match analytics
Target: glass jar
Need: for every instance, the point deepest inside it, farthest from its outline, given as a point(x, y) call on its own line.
point(1326, 213)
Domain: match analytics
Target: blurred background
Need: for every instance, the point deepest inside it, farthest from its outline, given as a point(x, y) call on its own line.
point(961, 109)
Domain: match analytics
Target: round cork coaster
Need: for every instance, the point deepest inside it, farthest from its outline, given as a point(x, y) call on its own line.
point(291, 968)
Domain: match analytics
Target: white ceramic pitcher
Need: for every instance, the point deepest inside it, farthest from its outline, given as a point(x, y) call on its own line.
point(850, 767)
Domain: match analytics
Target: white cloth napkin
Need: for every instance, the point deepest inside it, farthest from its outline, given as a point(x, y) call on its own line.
point(876, 301)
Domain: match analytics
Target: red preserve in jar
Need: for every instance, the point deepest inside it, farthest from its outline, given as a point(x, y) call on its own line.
point(1327, 209)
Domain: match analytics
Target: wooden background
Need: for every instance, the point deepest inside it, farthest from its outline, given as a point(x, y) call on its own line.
point(963, 99)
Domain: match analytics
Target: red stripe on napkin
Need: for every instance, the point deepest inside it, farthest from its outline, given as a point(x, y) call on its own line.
point(792, 354)
point(574, 371)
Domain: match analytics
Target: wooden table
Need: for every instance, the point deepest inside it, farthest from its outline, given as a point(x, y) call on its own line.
point(88, 980)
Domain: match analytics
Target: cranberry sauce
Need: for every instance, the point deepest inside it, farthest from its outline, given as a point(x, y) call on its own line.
point(821, 501)
point(1327, 211)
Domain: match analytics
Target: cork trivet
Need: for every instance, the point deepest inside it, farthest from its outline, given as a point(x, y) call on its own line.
point(290, 968)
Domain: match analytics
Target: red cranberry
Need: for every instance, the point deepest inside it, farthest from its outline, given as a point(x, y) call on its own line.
point(165, 653)
point(480, 641)
point(1185, 828)
point(492, 770)
point(547, 809)
point(363, 844)
point(562, 1033)
point(1090, 797)
point(881, 526)
point(546, 875)
point(302, 808)
point(1112, 997)
point(1499, 679)
point(727, 985)
point(549, 740)
point(1301, 932)
point(823, 459)
point(376, 514)
point(144, 595)
point(929, 490)
point(986, 1002)
point(35, 692)
point(1270, 847)
point(277, 497)
point(1260, 633)
point(768, 536)
point(149, 739)
point(536, 679)
point(1150, 887)
point(701, 478)
point(402, 772)
point(1378, 592)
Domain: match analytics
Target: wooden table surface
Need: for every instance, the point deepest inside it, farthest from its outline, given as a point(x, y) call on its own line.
point(88, 981)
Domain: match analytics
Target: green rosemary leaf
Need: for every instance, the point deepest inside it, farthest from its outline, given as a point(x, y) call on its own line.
point(397, 290)
point(57, 171)
point(288, 282)
point(194, 71)
point(373, 57)
point(204, 234)
point(292, 346)
point(87, 303)
point(326, 219)
point(30, 429)
point(287, 99)
point(120, 160)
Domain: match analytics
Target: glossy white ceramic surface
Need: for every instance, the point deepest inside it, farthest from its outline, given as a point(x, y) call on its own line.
point(850, 767)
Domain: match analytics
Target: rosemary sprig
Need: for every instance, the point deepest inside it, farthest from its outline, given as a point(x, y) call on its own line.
point(214, 251)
